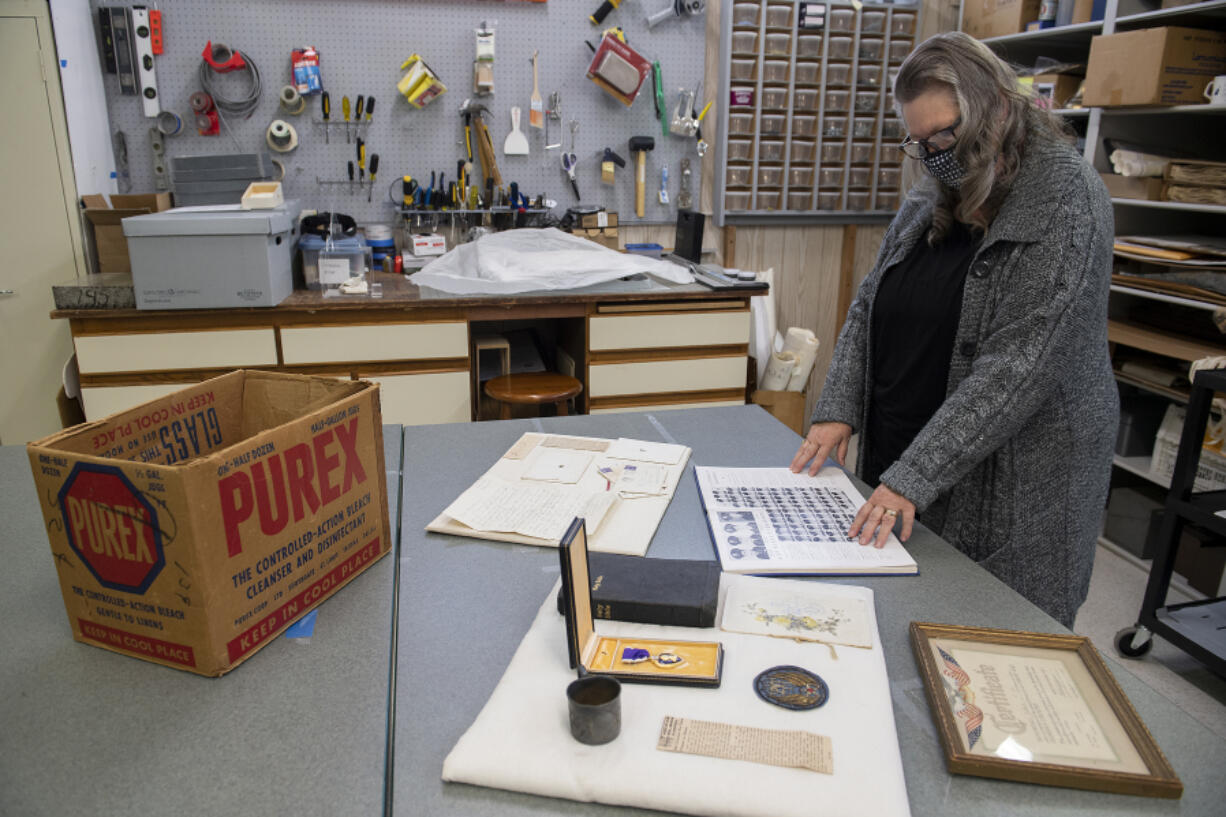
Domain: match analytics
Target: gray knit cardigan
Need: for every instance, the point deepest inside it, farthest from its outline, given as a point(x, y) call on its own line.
point(1013, 468)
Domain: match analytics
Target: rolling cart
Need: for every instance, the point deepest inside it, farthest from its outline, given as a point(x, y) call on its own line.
point(1199, 627)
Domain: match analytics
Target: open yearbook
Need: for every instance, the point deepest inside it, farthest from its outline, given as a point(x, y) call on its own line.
point(769, 520)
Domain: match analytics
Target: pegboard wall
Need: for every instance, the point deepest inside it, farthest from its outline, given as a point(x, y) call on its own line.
point(362, 44)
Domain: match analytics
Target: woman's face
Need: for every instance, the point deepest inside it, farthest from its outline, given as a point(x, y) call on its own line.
point(930, 116)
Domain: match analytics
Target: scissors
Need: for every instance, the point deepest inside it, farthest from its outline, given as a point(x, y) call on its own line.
point(569, 160)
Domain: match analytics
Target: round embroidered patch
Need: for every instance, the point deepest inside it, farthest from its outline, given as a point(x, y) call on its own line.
point(791, 688)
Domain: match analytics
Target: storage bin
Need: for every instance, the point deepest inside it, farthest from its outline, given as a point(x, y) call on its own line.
point(864, 127)
point(887, 201)
point(779, 16)
point(800, 199)
point(736, 200)
point(344, 260)
point(857, 201)
point(744, 69)
point(809, 45)
point(829, 201)
point(800, 177)
point(872, 22)
point(808, 73)
point(739, 175)
point(778, 44)
point(772, 123)
point(871, 49)
point(838, 75)
point(838, 101)
point(774, 99)
point(834, 127)
point(867, 101)
point(770, 176)
point(839, 48)
point(803, 150)
point(862, 153)
point(804, 99)
point(829, 177)
point(868, 76)
point(889, 155)
point(899, 49)
point(860, 177)
point(745, 42)
point(903, 23)
point(833, 152)
point(770, 200)
point(804, 125)
point(888, 178)
point(740, 124)
point(842, 19)
point(770, 150)
point(741, 96)
point(776, 70)
point(740, 150)
point(891, 128)
point(745, 14)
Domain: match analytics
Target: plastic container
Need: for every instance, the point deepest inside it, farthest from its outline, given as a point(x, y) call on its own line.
point(328, 268)
point(833, 152)
point(744, 69)
point(739, 175)
point(838, 75)
point(867, 101)
point(872, 22)
point(800, 177)
point(736, 200)
point(857, 200)
point(740, 150)
point(839, 48)
point(834, 127)
point(898, 51)
point(864, 127)
point(860, 177)
point(829, 201)
point(805, 99)
point(744, 42)
point(770, 200)
point(842, 20)
point(775, 70)
point(903, 23)
point(771, 123)
point(775, 99)
point(779, 16)
point(778, 44)
point(770, 150)
point(871, 49)
point(770, 176)
point(888, 178)
point(741, 96)
point(804, 126)
point(838, 101)
point(803, 150)
point(800, 199)
point(830, 177)
point(740, 124)
point(889, 155)
point(891, 128)
point(868, 76)
point(887, 201)
point(808, 73)
point(809, 45)
point(862, 153)
point(745, 14)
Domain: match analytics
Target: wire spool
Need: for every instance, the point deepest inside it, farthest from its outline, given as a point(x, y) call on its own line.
point(200, 102)
point(292, 102)
point(242, 105)
point(281, 136)
point(169, 123)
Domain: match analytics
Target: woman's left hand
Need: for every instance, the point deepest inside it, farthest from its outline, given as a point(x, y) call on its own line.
point(877, 516)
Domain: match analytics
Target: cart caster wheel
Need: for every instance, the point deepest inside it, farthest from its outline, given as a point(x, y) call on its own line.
point(1126, 644)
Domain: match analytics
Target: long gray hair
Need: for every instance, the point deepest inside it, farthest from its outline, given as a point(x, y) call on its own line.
point(998, 116)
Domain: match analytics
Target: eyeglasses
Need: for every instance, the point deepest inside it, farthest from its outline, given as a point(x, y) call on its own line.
point(943, 139)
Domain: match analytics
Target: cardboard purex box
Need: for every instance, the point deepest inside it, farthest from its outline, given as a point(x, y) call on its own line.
point(191, 530)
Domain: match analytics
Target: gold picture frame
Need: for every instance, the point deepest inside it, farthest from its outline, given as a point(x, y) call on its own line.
point(1036, 708)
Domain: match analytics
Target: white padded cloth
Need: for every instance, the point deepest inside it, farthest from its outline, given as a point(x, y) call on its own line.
point(521, 740)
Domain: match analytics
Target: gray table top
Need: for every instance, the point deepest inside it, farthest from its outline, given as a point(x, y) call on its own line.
point(465, 605)
point(300, 728)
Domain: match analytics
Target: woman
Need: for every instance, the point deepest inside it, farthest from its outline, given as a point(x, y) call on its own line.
point(974, 359)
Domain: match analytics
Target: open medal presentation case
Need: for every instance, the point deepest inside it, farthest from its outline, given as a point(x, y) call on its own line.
point(632, 660)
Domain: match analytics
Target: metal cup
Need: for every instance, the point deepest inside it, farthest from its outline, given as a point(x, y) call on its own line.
point(595, 709)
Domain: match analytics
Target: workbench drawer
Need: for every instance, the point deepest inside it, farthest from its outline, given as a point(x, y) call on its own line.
point(404, 341)
point(103, 401)
point(666, 406)
point(164, 351)
point(666, 376)
point(424, 399)
point(655, 331)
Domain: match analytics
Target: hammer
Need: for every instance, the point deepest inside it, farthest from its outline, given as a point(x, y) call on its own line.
point(639, 145)
point(485, 148)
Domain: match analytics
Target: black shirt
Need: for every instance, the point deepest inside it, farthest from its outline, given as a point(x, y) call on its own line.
point(914, 324)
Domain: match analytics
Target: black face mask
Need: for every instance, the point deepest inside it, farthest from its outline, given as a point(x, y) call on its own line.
point(945, 168)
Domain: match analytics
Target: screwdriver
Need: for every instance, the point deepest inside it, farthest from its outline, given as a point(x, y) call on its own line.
point(351, 178)
point(374, 168)
point(325, 105)
point(370, 107)
point(345, 113)
point(361, 160)
point(357, 114)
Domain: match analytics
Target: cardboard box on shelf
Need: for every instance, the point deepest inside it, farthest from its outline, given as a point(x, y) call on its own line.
point(601, 220)
point(1148, 188)
point(1083, 11)
point(1153, 66)
point(191, 530)
point(995, 18)
point(1056, 89)
point(110, 245)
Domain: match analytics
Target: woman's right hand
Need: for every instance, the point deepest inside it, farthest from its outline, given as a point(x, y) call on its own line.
point(822, 440)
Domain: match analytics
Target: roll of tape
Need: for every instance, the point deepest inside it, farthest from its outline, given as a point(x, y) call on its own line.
point(200, 102)
point(281, 136)
point(169, 123)
point(280, 166)
point(292, 102)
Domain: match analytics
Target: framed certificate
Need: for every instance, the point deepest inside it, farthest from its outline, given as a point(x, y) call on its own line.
point(1036, 708)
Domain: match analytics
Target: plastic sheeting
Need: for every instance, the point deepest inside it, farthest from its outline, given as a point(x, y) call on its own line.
point(531, 260)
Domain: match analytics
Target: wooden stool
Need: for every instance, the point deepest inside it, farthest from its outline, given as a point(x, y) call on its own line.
point(533, 389)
